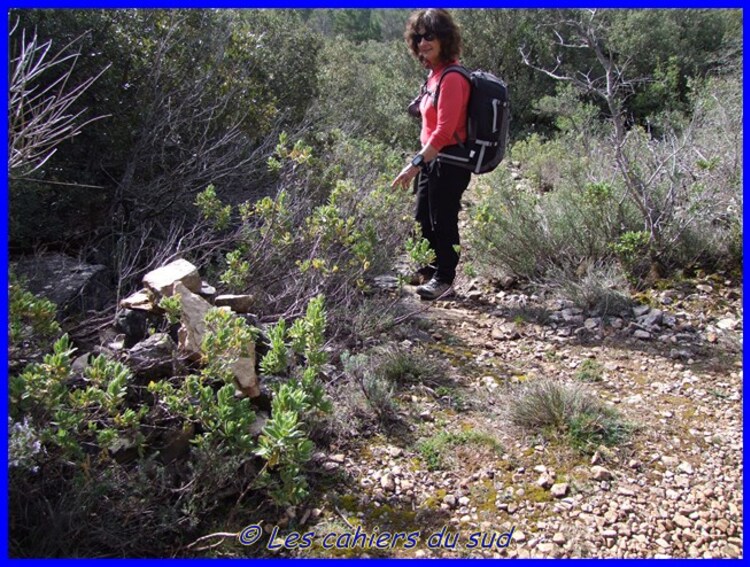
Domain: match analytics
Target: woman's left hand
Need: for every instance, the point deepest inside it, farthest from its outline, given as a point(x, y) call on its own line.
point(405, 177)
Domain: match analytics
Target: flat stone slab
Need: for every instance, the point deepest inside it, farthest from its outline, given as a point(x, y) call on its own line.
point(140, 300)
point(237, 303)
point(162, 280)
point(244, 373)
point(194, 309)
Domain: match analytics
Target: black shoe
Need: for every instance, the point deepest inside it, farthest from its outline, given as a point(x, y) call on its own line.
point(422, 276)
point(434, 289)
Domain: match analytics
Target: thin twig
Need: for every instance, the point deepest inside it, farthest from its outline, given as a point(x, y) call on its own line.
point(217, 534)
point(250, 485)
point(49, 182)
point(340, 513)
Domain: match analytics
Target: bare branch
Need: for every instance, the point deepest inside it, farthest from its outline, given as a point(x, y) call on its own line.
point(39, 114)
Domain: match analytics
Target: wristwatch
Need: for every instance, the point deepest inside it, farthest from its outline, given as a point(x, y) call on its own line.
point(418, 161)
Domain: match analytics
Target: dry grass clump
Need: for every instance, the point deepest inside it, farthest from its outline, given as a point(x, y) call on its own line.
point(570, 412)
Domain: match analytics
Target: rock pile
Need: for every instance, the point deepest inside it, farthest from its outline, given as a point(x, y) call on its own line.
point(154, 356)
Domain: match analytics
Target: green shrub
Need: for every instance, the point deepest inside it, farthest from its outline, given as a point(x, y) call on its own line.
point(284, 442)
point(172, 306)
point(520, 232)
point(31, 318)
point(307, 333)
point(419, 250)
point(286, 448)
point(544, 162)
point(62, 423)
point(670, 207)
point(224, 419)
point(73, 418)
point(276, 360)
point(367, 93)
point(227, 339)
point(327, 230)
point(208, 400)
point(212, 209)
point(634, 250)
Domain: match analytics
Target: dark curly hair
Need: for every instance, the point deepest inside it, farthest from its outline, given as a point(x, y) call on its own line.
point(439, 22)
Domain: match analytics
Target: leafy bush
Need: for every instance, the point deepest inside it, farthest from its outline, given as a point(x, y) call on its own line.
point(708, 214)
point(284, 442)
point(172, 306)
point(222, 418)
point(75, 436)
point(689, 181)
point(519, 232)
point(227, 339)
point(73, 420)
point(212, 209)
point(543, 163)
point(320, 233)
point(419, 250)
point(365, 88)
point(31, 318)
point(276, 360)
point(285, 447)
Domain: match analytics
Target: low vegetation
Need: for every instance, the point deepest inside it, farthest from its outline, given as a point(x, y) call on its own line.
point(100, 432)
point(439, 450)
point(589, 371)
point(569, 413)
point(260, 145)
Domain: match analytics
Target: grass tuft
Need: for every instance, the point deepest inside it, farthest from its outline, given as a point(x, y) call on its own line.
point(589, 371)
point(568, 411)
point(436, 450)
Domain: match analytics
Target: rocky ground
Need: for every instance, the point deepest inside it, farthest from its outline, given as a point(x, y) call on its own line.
point(451, 476)
point(673, 369)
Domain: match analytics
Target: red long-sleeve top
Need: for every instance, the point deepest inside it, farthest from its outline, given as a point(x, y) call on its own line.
point(441, 125)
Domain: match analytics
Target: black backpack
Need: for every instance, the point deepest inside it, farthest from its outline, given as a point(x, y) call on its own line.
point(487, 117)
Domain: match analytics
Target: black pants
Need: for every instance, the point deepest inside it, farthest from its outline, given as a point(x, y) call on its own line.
point(439, 193)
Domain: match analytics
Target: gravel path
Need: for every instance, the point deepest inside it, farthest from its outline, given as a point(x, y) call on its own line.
point(674, 489)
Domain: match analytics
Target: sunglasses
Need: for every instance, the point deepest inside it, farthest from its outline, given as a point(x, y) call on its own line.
point(429, 36)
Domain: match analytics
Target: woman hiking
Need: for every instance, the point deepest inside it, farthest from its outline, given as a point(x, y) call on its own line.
point(434, 39)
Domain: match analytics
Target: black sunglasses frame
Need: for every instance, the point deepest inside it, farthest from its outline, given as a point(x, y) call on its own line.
point(429, 36)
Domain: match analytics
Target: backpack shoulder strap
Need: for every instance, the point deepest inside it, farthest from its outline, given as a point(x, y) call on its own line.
point(423, 88)
point(450, 68)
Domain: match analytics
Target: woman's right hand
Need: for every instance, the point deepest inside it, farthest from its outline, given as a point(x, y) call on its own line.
point(404, 178)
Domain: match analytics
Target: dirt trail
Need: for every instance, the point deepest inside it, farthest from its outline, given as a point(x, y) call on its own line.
point(455, 463)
